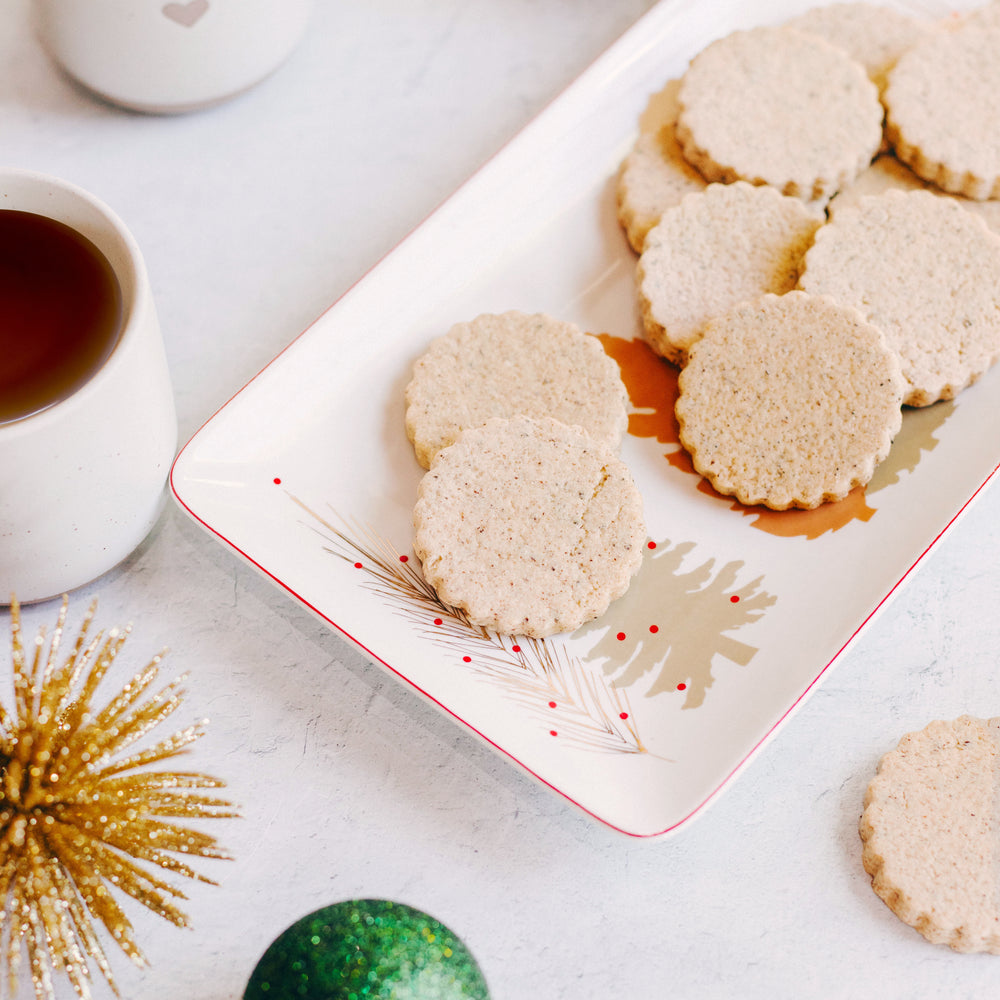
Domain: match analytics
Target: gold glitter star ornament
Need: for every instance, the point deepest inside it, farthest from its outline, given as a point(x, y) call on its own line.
point(81, 813)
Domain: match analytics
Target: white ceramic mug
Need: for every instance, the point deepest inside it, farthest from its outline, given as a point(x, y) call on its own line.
point(170, 55)
point(83, 481)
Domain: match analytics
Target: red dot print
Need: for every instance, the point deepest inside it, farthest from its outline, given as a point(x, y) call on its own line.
point(438, 621)
point(682, 686)
point(404, 558)
point(466, 659)
point(735, 599)
point(620, 637)
point(552, 732)
point(623, 715)
point(654, 629)
point(650, 545)
point(358, 565)
point(277, 480)
point(515, 649)
point(552, 704)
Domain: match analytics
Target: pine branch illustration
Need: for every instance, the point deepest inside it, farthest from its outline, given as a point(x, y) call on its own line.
point(539, 675)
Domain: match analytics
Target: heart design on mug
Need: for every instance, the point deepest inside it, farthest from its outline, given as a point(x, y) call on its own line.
point(187, 14)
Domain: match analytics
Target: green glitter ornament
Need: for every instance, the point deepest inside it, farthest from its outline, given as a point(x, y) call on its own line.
point(367, 949)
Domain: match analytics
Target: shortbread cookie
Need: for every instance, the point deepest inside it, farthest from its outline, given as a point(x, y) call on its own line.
point(789, 401)
point(717, 247)
point(931, 831)
point(874, 35)
point(777, 106)
point(943, 107)
point(927, 273)
point(888, 173)
point(528, 525)
point(508, 364)
point(654, 175)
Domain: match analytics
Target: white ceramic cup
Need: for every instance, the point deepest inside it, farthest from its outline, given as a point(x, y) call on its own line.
point(169, 56)
point(83, 481)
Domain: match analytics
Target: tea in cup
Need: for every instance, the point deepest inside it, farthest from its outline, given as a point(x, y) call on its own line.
point(87, 421)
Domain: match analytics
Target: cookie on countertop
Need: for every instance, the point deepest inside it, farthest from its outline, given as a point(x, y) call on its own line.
point(930, 830)
point(789, 401)
point(717, 247)
point(874, 35)
point(943, 107)
point(927, 273)
point(773, 105)
point(502, 365)
point(530, 526)
point(654, 175)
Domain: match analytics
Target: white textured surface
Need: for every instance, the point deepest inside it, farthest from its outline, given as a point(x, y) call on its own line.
point(254, 217)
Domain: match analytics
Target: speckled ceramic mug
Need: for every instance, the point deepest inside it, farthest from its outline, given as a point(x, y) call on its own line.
point(82, 481)
point(167, 56)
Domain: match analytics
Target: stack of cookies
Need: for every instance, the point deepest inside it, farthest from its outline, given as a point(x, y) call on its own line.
point(803, 310)
point(527, 518)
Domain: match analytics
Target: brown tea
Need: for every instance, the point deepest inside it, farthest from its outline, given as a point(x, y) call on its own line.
point(60, 312)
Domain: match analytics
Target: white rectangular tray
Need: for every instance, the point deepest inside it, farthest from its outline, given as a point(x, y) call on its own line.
point(643, 717)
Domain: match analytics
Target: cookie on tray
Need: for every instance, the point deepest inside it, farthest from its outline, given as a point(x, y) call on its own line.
point(773, 105)
point(930, 827)
point(502, 365)
point(875, 35)
point(654, 175)
point(888, 173)
point(530, 526)
point(789, 401)
point(943, 107)
point(717, 247)
point(927, 273)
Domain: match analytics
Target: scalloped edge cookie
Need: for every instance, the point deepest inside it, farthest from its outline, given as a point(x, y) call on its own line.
point(773, 105)
point(888, 173)
point(874, 35)
point(930, 832)
point(654, 176)
point(927, 273)
point(530, 526)
point(716, 248)
point(789, 401)
point(943, 107)
point(511, 363)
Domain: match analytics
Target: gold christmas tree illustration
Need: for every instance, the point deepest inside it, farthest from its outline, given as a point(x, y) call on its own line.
point(917, 435)
point(81, 813)
point(674, 621)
